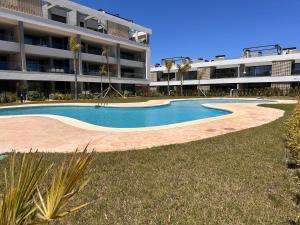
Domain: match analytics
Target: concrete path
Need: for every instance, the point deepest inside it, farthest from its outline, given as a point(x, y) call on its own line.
point(52, 135)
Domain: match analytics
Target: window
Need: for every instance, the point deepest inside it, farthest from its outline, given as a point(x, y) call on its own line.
point(191, 75)
point(95, 50)
point(259, 71)
point(58, 18)
point(225, 73)
point(296, 69)
point(126, 55)
point(35, 65)
point(60, 43)
point(3, 63)
point(40, 41)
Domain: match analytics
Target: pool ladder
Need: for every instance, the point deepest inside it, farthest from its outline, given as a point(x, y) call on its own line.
point(103, 101)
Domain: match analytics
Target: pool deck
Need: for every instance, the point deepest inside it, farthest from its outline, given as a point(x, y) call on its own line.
point(61, 134)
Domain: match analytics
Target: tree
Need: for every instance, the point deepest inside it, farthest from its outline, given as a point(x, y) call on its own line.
point(182, 70)
point(75, 47)
point(169, 64)
point(102, 72)
point(105, 53)
point(31, 196)
point(200, 74)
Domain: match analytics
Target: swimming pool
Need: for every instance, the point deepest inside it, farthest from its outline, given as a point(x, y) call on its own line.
point(132, 117)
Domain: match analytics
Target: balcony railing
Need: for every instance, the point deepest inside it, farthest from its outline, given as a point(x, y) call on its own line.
point(96, 73)
point(133, 75)
point(10, 66)
point(47, 45)
point(4, 37)
point(49, 69)
point(132, 58)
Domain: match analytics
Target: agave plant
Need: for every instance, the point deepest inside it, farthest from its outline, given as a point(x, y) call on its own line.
point(75, 47)
point(26, 199)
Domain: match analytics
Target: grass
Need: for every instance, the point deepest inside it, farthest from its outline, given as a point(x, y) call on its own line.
point(128, 100)
point(111, 100)
point(238, 178)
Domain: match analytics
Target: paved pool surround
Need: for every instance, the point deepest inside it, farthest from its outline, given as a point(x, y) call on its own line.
point(49, 133)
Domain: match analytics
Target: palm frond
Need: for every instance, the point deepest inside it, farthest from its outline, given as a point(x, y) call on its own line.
point(74, 45)
point(169, 64)
point(103, 70)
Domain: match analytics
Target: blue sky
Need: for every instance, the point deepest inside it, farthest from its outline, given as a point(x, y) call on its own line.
point(198, 28)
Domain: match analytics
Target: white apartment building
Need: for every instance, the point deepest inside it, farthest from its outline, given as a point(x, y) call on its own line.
point(258, 67)
point(34, 49)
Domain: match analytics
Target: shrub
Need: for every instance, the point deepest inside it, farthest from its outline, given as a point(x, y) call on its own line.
point(87, 96)
point(35, 96)
point(293, 134)
point(293, 145)
point(60, 97)
point(8, 97)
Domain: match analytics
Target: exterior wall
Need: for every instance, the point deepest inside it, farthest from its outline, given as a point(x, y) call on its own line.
point(281, 86)
point(33, 7)
point(283, 68)
point(117, 30)
point(153, 76)
point(205, 72)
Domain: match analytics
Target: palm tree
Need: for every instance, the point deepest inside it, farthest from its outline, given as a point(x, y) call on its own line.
point(182, 70)
point(75, 47)
point(105, 53)
point(26, 199)
point(200, 75)
point(168, 64)
point(102, 72)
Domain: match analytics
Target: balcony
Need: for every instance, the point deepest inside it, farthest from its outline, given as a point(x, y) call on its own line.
point(47, 51)
point(4, 37)
point(49, 69)
point(10, 66)
point(133, 75)
point(97, 58)
point(57, 43)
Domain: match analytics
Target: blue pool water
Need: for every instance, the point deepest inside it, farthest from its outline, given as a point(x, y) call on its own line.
point(176, 112)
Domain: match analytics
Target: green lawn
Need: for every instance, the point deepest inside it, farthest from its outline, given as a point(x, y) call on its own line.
point(128, 100)
point(111, 100)
point(238, 178)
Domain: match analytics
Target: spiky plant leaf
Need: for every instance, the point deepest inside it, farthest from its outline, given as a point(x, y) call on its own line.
point(16, 204)
point(66, 184)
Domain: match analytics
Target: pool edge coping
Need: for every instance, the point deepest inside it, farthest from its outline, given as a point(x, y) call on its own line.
point(151, 103)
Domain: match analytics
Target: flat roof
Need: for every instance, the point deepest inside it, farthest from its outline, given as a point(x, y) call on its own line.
point(235, 62)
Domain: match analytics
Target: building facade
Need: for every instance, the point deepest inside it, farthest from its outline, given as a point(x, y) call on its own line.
point(35, 54)
point(276, 70)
